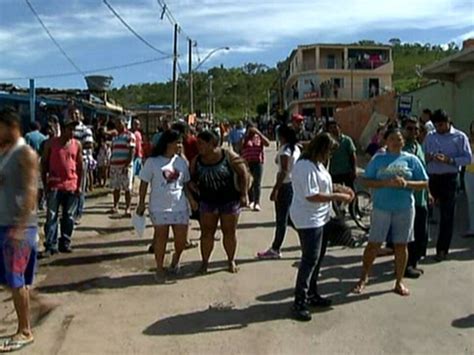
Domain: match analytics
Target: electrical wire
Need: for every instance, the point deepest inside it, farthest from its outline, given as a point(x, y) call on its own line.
point(90, 71)
point(63, 52)
point(130, 28)
point(169, 15)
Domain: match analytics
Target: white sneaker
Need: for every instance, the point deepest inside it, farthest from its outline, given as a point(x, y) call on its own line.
point(251, 205)
point(256, 207)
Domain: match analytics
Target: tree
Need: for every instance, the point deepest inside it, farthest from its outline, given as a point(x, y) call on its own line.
point(395, 42)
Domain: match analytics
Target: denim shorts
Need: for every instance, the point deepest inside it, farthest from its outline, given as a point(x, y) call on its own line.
point(169, 218)
point(399, 223)
point(18, 257)
point(232, 208)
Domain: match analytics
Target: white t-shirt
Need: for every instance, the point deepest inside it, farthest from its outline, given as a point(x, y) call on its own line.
point(167, 178)
point(308, 180)
point(285, 150)
point(429, 126)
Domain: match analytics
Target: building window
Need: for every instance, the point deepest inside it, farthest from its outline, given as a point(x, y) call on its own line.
point(337, 84)
point(374, 87)
point(331, 61)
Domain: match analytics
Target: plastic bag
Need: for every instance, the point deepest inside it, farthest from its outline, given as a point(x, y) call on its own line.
point(139, 223)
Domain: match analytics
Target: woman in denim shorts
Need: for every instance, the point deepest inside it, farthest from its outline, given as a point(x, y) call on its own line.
point(221, 180)
point(393, 176)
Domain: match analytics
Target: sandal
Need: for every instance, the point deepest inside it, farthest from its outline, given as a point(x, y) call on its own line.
point(190, 245)
point(401, 290)
point(359, 287)
point(112, 211)
point(14, 344)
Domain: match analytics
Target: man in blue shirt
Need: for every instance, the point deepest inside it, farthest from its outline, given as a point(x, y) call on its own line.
point(35, 138)
point(235, 137)
point(447, 150)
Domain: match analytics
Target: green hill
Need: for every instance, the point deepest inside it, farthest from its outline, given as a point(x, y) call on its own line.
point(242, 92)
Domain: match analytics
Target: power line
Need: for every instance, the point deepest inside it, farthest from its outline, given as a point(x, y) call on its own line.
point(90, 71)
point(169, 15)
point(69, 59)
point(116, 14)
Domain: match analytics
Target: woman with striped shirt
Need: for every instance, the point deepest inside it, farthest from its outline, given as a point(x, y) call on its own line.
point(253, 152)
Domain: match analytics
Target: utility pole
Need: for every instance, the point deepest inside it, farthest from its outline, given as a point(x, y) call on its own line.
point(32, 94)
point(190, 74)
point(268, 104)
point(175, 65)
point(211, 94)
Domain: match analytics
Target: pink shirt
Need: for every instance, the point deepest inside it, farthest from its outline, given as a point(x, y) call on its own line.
point(63, 165)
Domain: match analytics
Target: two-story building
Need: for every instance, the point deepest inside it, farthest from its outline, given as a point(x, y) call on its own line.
point(323, 77)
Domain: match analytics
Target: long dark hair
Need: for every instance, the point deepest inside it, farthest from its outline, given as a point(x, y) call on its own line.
point(320, 145)
point(289, 135)
point(167, 137)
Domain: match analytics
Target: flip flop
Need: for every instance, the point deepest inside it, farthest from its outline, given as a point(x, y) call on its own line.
point(359, 287)
point(402, 291)
point(190, 245)
point(13, 344)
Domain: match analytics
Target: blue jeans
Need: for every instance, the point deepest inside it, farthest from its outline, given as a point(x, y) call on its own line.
point(282, 213)
point(81, 201)
point(68, 202)
point(256, 169)
point(311, 241)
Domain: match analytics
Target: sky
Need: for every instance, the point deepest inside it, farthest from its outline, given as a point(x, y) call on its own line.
point(255, 31)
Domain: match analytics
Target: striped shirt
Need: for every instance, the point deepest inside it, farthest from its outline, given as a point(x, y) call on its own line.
point(121, 146)
point(252, 150)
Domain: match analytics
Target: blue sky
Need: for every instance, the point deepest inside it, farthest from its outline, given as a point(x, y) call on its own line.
point(256, 31)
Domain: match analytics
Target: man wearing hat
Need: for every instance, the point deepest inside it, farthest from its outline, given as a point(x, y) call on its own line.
point(297, 122)
point(61, 175)
point(121, 168)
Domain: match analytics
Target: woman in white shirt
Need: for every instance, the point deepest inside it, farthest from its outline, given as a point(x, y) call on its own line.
point(168, 175)
point(313, 193)
point(282, 192)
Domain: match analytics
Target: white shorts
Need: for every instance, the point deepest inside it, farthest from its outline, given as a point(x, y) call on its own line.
point(396, 227)
point(169, 218)
point(121, 178)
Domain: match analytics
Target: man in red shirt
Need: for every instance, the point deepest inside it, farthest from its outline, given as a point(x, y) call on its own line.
point(138, 158)
point(189, 141)
point(61, 174)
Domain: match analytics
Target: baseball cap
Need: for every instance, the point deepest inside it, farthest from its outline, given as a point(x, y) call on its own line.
point(297, 117)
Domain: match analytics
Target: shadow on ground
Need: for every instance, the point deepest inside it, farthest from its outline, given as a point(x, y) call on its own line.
point(465, 322)
point(214, 320)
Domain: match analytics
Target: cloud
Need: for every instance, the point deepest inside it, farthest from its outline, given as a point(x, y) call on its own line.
point(249, 27)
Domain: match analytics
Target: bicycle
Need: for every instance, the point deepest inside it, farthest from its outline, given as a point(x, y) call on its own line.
point(360, 209)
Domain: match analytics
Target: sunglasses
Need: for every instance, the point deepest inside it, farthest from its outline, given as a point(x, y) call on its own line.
point(411, 129)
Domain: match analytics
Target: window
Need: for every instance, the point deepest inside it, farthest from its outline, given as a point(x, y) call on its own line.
point(331, 61)
point(338, 82)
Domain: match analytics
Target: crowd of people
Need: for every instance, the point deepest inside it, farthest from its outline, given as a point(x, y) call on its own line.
point(189, 172)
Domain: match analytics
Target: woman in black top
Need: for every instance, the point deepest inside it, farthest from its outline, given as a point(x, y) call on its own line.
point(220, 177)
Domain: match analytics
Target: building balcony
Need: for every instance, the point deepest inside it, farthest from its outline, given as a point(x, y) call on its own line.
point(333, 95)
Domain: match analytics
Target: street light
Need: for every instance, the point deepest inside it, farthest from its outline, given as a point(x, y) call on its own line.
point(191, 92)
point(209, 55)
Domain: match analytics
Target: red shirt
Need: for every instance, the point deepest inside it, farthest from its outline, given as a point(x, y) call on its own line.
point(139, 144)
point(63, 166)
point(190, 147)
point(252, 149)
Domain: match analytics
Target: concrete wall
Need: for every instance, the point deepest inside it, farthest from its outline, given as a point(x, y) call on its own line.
point(456, 99)
point(464, 103)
